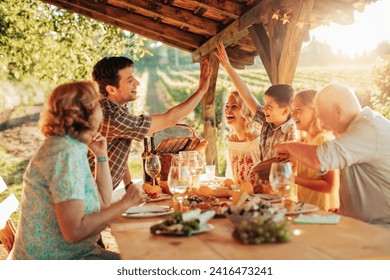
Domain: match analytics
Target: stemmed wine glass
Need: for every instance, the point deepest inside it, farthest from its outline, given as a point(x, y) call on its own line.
point(281, 179)
point(199, 168)
point(153, 166)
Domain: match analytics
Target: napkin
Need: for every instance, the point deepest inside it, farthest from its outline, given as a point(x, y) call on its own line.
point(317, 219)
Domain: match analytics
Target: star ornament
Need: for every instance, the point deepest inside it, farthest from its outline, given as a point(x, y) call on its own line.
point(285, 19)
point(300, 24)
point(276, 15)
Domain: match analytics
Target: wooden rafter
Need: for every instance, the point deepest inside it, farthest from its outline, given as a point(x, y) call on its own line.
point(177, 16)
point(239, 28)
point(132, 22)
point(230, 10)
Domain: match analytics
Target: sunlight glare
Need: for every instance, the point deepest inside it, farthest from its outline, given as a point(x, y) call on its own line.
point(368, 30)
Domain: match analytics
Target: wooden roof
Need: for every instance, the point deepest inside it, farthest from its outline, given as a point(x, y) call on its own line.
point(195, 25)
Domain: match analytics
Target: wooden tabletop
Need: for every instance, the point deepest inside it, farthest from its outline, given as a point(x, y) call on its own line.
point(349, 239)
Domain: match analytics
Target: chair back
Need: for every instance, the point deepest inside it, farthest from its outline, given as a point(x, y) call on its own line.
point(8, 206)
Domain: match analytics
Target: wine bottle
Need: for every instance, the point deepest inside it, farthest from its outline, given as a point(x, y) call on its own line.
point(144, 154)
point(153, 152)
point(152, 147)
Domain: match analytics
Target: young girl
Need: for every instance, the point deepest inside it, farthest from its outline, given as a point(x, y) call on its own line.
point(243, 142)
point(313, 188)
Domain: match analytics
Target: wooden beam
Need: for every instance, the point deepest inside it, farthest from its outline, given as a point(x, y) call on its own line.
point(240, 56)
point(261, 41)
point(239, 28)
point(225, 8)
point(173, 14)
point(208, 114)
point(276, 33)
point(292, 43)
point(134, 23)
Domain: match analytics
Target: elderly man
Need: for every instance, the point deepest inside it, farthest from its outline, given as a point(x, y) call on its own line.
point(360, 150)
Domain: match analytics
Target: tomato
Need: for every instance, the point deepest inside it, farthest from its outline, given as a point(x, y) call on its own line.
point(153, 195)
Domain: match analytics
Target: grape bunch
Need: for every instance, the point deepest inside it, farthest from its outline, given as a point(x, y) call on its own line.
point(257, 231)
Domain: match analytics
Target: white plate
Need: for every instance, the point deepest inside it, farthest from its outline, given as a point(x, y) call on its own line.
point(306, 208)
point(203, 228)
point(147, 211)
point(269, 197)
point(162, 196)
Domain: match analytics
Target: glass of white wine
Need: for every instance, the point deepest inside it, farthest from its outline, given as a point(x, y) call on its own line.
point(281, 179)
point(153, 166)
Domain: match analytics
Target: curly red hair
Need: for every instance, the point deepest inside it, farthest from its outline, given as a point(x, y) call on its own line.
point(70, 110)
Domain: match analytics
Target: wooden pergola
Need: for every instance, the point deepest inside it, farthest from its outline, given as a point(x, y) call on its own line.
point(271, 29)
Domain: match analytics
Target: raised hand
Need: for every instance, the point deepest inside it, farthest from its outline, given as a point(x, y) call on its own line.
point(98, 145)
point(221, 54)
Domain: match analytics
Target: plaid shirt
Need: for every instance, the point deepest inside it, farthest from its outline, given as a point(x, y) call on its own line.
point(270, 136)
point(120, 127)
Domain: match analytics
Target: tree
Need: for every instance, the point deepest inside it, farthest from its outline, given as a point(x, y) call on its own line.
point(40, 40)
point(381, 99)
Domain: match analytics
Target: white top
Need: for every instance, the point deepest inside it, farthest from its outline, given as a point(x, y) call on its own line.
point(362, 154)
point(240, 159)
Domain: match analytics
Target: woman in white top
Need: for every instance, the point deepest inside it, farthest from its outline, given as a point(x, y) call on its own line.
point(243, 141)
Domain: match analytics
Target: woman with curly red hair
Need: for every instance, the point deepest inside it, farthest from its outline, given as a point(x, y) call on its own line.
point(63, 207)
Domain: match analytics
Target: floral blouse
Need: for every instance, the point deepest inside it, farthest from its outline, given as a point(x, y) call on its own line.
point(58, 172)
point(242, 156)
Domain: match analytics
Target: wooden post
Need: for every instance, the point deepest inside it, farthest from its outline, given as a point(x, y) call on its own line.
point(208, 114)
point(279, 45)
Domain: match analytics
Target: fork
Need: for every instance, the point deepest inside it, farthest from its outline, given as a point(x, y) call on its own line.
point(299, 206)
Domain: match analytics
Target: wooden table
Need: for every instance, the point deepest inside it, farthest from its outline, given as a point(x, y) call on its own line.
point(350, 239)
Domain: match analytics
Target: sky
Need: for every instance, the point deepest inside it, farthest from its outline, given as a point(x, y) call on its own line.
point(371, 27)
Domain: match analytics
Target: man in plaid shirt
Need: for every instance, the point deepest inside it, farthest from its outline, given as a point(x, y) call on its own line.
point(118, 85)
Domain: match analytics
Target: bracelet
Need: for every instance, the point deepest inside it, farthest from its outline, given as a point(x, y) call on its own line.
point(101, 159)
point(128, 185)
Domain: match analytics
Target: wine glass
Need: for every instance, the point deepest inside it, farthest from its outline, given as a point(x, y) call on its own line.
point(153, 166)
point(281, 179)
point(179, 180)
point(199, 167)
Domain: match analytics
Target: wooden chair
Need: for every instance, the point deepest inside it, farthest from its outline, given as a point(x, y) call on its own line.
point(7, 228)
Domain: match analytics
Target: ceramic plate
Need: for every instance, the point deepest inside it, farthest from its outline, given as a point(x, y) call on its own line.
point(203, 228)
point(162, 196)
point(147, 211)
point(306, 208)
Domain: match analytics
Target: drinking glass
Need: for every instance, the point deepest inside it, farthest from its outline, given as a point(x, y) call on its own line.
point(281, 179)
point(190, 158)
point(153, 166)
point(178, 182)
